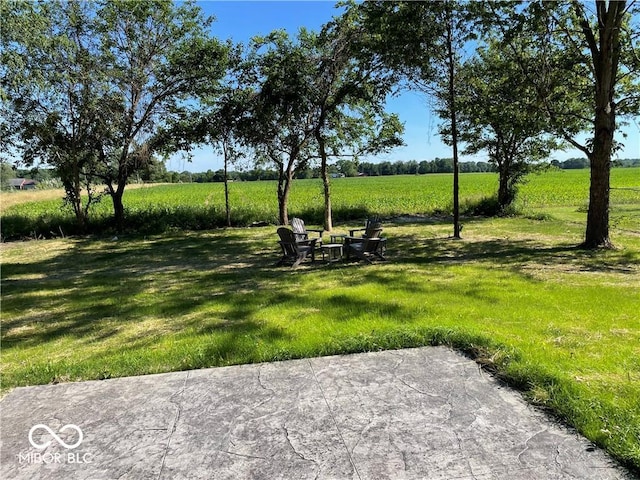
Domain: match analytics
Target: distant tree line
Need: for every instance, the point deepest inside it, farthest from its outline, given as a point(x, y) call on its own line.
point(576, 163)
point(156, 172)
point(348, 168)
point(413, 167)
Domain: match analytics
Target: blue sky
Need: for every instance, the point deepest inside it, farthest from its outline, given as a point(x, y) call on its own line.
point(241, 20)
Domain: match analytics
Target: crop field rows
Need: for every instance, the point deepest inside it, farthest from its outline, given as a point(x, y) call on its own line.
point(201, 206)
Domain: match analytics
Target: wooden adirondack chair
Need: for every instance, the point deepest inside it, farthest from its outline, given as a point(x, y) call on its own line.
point(302, 233)
point(293, 250)
point(370, 244)
point(370, 224)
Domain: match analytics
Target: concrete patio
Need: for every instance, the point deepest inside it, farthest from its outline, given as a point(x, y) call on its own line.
point(424, 413)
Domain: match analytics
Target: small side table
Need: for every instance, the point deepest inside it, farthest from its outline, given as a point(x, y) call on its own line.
point(337, 237)
point(333, 252)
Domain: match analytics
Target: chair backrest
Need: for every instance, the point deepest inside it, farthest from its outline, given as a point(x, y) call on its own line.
point(372, 220)
point(286, 235)
point(373, 229)
point(287, 240)
point(299, 230)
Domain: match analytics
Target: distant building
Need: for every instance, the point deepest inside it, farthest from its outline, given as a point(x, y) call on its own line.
point(23, 183)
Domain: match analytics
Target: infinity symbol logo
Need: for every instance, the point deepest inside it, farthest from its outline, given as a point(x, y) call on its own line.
point(42, 446)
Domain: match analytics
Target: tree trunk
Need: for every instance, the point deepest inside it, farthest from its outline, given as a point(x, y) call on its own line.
point(81, 217)
point(284, 185)
point(597, 233)
point(76, 200)
point(503, 189)
point(508, 179)
point(73, 194)
point(324, 171)
point(605, 54)
point(454, 126)
point(226, 184)
point(118, 207)
point(328, 214)
point(283, 218)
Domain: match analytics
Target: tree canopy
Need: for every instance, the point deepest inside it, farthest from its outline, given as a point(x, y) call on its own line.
point(499, 115)
point(89, 83)
point(99, 89)
point(582, 60)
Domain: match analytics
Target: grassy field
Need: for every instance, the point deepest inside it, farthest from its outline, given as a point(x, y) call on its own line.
point(162, 208)
point(558, 323)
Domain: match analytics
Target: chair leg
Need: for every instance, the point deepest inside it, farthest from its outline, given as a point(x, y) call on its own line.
point(364, 257)
point(360, 255)
point(299, 259)
point(379, 252)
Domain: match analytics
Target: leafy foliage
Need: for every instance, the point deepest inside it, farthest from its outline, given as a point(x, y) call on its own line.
point(313, 99)
point(499, 114)
point(89, 83)
point(582, 62)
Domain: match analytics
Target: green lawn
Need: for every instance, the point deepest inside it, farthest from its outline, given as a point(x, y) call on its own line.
point(559, 323)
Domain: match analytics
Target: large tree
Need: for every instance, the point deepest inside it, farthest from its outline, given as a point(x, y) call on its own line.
point(499, 115)
point(89, 83)
point(280, 107)
point(314, 100)
point(55, 89)
point(423, 42)
point(348, 95)
point(159, 56)
point(583, 61)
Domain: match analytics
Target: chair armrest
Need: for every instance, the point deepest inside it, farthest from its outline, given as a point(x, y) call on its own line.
point(352, 232)
point(351, 239)
point(307, 241)
point(319, 231)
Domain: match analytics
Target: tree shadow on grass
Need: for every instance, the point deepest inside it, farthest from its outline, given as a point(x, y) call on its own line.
point(95, 287)
point(210, 288)
point(513, 254)
point(147, 305)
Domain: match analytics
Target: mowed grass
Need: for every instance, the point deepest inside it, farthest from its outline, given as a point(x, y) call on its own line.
point(558, 323)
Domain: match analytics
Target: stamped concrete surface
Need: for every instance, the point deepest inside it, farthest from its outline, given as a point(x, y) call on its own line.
point(424, 413)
